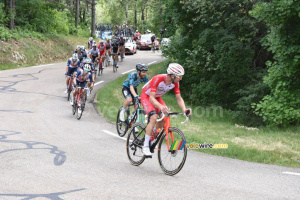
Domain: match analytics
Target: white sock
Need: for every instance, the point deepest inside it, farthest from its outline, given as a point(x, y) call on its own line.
point(147, 139)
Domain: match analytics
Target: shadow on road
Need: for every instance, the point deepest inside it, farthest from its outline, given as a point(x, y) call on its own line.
point(59, 158)
point(52, 196)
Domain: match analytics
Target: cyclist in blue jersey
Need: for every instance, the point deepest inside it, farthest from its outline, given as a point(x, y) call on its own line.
point(72, 66)
point(81, 79)
point(130, 85)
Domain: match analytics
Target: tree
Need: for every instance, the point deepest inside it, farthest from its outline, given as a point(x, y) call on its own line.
point(93, 18)
point(12, 14)
point(77, 14)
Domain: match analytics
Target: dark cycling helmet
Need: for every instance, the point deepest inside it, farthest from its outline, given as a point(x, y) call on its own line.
point(141, 67)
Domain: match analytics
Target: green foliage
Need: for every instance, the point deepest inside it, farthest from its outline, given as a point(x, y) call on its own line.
point(218, 44)
point(40, 16)
point(282, 106)
point(2, 13)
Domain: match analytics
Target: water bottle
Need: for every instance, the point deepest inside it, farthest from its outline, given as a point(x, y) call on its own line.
point(146, 119)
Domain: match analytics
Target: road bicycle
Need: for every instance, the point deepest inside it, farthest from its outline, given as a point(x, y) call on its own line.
point(96, 65)
point(172, 151)
point(107, 59)
point(122, 50)
point(70, 86)
point(100, 71)
point(130, 118)
point(79, 103)
point(153, 47)
point(114, 63)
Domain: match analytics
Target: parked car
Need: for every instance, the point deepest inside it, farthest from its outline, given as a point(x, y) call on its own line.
point(145, 41)
point(165, 41)
point(130, 46)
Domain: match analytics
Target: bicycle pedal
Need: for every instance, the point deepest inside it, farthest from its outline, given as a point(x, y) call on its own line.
point(148, 156)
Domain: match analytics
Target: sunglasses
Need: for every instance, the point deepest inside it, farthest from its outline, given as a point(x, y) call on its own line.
point(180, 77)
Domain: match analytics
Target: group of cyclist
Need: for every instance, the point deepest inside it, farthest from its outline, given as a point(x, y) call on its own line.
point(151, 95)
point(152, 91)
point(83, 63)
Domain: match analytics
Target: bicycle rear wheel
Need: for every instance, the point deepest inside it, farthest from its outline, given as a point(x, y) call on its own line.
point(122, 127)
point(171, 162)
point(134, 144)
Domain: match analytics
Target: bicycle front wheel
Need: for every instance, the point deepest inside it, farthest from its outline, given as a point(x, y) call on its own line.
point(80, 107)
point(134, 144)
point(172, 161)
point(122, 126)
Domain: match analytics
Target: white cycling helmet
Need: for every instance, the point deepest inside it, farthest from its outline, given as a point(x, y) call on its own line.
point(87, 67)
point(136, 31)
point(74, 57)
point(88, 60)
point(94, 45)
point(91, 38)
point(175, 69)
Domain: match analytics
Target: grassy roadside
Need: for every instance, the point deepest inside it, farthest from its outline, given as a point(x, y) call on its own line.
point(213, 126)
point(29, 52)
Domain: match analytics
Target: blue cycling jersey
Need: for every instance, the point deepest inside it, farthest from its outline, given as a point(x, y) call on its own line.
point(133, 80)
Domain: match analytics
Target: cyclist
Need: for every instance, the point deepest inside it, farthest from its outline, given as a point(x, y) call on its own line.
point(94, 54)
point(84, 52)
point(130, 85)
point(89, 62)
point(90, 42)
point(115, 49)
point(79, 53)
point(153, 103)
point(108, 45)
point(153, 40)
point(81, 78)
point(72, 65)
point(102, 50)
point(122, 47)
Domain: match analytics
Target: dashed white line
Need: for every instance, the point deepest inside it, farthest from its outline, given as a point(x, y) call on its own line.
point(128, 71)
point(151, 63)
point(113, 134)
point(292, 173)
point(98, 83)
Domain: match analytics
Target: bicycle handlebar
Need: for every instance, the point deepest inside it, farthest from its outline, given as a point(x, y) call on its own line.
point(173, 113)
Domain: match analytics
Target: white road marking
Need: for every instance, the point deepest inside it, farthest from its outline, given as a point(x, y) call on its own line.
point(113, 134)
point(98, 83)
point(151, 63)
point(292, 173)
point(128, 71)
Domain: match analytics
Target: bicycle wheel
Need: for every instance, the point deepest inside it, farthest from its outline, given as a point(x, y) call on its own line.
point(69, 89)
point(171, 162)
point(114, 67)
point(80, 107)
point(74, 108)
point(134, 144)
point(122, 127)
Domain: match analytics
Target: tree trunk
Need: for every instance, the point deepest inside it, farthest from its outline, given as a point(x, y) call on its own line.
point(135, 16)
point(126, 13)
point(93, 18)
point(12, 14)
point(77, 14)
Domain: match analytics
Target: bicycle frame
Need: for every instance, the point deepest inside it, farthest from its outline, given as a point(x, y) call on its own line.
point(80, 92)
point(165, 129)
point(136, 114)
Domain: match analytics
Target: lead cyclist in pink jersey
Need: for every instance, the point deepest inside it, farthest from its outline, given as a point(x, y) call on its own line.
point(153, 103)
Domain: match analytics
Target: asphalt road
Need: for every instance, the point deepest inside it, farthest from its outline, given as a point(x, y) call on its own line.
point(46, 153)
